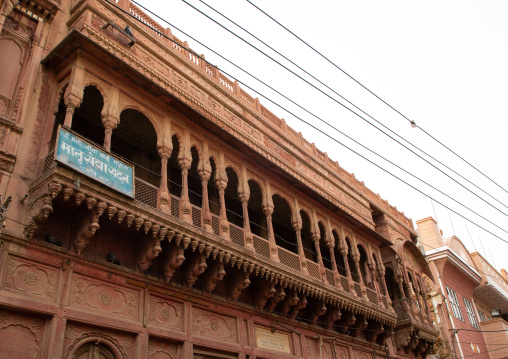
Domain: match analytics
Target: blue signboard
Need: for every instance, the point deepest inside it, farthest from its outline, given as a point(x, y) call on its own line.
point(78, 154)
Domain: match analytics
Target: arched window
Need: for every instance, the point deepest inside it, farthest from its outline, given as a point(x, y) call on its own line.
point(174, 171)
point(213, 192)
point(136, 140)
point(325, 252)
point(257, 217)
point(364, 269)
point(351, 262)
point(194, 182)
point(339, 260)
point(234, 210)
point(285, 236)
point(87, 118)
point(93, 350)
point(307, 243)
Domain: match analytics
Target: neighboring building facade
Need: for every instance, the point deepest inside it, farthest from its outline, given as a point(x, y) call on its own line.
point(472, 288)
point(159, 211)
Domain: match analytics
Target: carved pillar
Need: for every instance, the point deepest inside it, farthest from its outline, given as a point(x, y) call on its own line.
point(164, 198)
point(109, 123)
point(356, 259)
point(297, 226)
point(268, 210)
point(204, 176)
point(185, 165)
point(381, 271)
point(336, 275)
point(344, 253)
point(244, 198)
point(74, 92)
point(315, 238)
point(224, 224)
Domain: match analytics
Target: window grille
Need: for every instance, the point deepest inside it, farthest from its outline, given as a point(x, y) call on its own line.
point(470, 314)
point(452, 297)
point(482, 316)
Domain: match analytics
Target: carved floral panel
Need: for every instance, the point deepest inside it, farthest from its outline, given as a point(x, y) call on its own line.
point(342, 352)
point(104, 297)
point(31, 279)
point(357, 354)
point(21, 334)
point(220, 327)
point(162, 349)
point(313, 349)
point(166, 313)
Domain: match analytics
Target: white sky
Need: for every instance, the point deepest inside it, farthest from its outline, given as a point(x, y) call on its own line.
point(442, 64)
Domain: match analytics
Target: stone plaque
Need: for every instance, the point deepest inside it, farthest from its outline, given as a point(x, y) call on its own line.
point(274, 341)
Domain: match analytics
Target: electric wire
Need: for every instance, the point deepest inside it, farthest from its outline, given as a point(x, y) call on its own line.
point(297, 117)
point(372, 93)
point(347, 108)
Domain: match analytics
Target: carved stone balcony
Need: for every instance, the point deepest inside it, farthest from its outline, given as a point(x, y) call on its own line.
point(60, 185)
point(414, 330)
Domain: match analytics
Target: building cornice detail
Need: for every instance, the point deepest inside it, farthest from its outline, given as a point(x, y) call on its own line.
point(447, 253)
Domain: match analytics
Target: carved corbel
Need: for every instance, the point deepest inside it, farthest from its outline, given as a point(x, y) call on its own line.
point(38, 213)
point(331, 316)
point(89, 225)
point(347, 320)
point(264, 291)
point(359, 325)
point(302, 303)
point(152, 250)
point(401, 339)
point(318, 310)
point(279, 295)
point(240, 282)
point(174, 260)
point(215, 274)
point(197, 267)
point(290, 301)
point(375, 330)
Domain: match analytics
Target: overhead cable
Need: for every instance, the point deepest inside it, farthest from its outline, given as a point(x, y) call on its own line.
point(347, 108)
point(413, 124)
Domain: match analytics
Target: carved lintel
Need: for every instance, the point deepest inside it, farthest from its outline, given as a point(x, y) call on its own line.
point(215, 274)
point(197, 267)
point(89, 225)
point(174, 260)
point(332, 314)
point(280, 294)
point(264, 291)
point(240, 282)
point(302, 303)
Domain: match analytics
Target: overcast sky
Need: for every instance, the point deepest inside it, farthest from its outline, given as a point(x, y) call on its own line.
point(443, 64)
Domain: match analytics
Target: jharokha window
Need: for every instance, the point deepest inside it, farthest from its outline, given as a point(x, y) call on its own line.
point(452, 297)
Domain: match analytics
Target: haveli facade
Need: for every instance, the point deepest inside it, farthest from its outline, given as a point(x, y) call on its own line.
point(241, 239)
